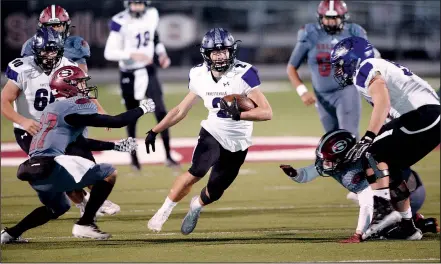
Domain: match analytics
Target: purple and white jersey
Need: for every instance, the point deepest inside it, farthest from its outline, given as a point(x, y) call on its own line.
point(407, 91)
point(241, 78)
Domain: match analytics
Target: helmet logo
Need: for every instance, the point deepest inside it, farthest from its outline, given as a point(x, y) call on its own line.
point(65, 73)
point(341, 51)
point(339, 146)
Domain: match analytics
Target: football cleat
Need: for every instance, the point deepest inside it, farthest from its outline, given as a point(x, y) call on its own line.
point(384, 215)
point(171, 163)
point(89, 231)
point(427, 225)
point(6, 238)
point(355, 238)
point(82, 206)
point(109, 208)
point(157, 221)
point(191, 219)
point(405, 230)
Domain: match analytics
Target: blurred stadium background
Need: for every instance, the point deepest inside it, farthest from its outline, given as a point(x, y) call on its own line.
point(263, 216)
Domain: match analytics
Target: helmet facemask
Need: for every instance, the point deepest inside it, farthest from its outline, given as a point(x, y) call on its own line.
point(49, 57)
point(332, 29)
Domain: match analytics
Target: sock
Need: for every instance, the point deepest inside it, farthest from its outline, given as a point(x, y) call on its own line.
point(407, 214)
point(166, 141)
point(168, 205)
point(384, 193)
point(98, 195)
point(195, 204)
point(38, 217)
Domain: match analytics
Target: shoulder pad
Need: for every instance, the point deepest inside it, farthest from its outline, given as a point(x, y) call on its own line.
point(76, 48)
point(21, 64)
point(365, 73)
point(152, 11)
point(26, 49)
point(307, 32)
point(250, 75)
point(66, 62)
point(357, 30)
point(117, 21)
point(241, 66)
point(197, 70)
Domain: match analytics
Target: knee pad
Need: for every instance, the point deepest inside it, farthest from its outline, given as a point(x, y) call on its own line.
point(213, 195)
point(59, 211)
point(400, 192)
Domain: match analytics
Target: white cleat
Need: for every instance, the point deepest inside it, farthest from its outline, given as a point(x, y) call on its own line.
point(390, 219)
point(6, 238)
point(89, 231)
point(109, 208)
point(191, 219)
point(155, 223)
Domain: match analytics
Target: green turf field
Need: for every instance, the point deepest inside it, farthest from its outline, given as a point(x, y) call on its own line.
point(263, 216)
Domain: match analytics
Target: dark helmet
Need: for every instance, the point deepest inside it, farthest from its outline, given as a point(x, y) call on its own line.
point(136, 14)
point(55, 15)
point(218, 39)
point(47, 40)
point(70, 81)
point(332, 9)
point(332, 150)
point(346, 57)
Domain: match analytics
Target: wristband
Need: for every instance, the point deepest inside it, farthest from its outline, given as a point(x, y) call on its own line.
point(301, 89)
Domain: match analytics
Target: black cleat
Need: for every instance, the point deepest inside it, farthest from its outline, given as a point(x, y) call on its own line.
point(405, 230)
point(135, 162)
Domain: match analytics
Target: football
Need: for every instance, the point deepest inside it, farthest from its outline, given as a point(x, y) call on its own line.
point(244, 103)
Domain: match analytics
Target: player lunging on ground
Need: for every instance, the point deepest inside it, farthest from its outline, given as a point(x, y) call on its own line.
point(225, 135)
point(51, 173)
point(398, 95)
point(330, 155)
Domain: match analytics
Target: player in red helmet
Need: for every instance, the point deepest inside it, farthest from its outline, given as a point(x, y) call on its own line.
point(330, 160)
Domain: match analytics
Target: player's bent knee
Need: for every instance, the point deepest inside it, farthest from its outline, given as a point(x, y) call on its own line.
point(59, 210)
point(212, 196)
point(198, 171)
point(112, 177)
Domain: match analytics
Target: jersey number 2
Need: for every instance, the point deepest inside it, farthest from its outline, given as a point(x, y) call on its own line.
point(324, 63)
point(41, 100)
point(48, 121)
point(140, 37)
point(221, 113)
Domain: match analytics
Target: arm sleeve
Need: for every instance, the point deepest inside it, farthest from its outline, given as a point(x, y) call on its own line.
point(114, 50)
point(365, 201)
point(98, 145)
point(251, 79)
point(306, 174)
point(301, 49)
point(97, 120)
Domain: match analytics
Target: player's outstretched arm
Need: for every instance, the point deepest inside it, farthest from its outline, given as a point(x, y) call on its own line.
point(172, 118)
point(118, 121)
point(9, 93)
point(178, 113)
point(301, 175)
point(262, 112)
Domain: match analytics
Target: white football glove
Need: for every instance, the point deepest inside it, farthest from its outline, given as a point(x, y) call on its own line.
point(126, 145)
point(147, 105)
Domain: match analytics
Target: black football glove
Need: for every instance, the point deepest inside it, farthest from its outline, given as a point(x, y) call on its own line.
point(288, 170)
point(150, 141)
point(360, 148)
point(232, 110)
